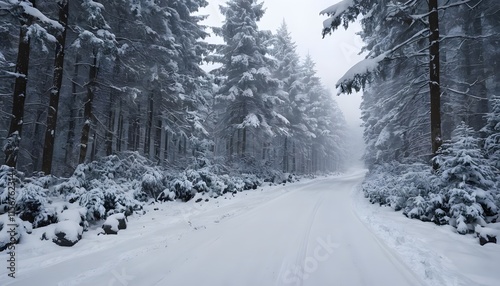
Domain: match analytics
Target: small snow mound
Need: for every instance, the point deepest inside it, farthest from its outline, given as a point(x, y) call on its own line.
point(486, 234)
point(67, 233)
point(114, 223)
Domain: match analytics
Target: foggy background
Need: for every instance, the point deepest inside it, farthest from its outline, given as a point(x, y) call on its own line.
point(333, 55)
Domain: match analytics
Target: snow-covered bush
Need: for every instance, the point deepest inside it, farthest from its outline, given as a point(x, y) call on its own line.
point(7, 236)
point(152, 183)
point(467, 178)
point(182, 187)
point(394, 184)
point(33, 205)
point(107, 197)
point(8, 176)
point(76, 183)
point(30, 199)
point(461, 193)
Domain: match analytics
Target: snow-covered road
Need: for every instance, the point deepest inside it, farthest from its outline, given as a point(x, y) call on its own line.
point(301, 234)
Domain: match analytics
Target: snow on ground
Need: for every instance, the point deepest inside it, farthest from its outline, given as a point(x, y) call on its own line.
point(315, 232)
point(437, 254)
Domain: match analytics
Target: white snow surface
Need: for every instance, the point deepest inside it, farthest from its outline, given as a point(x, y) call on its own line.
point(315, 232)
point(72, 230)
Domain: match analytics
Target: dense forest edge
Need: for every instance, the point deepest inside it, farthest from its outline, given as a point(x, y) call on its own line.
point(431, 107)
point(107, 106)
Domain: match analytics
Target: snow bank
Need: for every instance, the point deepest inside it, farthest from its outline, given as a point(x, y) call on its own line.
point(72, 230)
point(435, 253)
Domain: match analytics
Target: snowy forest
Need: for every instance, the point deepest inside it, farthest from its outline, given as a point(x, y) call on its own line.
point(154, 143)
point(110, 93)
point(431, 106)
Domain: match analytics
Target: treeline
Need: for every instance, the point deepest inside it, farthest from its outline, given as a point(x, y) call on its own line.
point(85, 79)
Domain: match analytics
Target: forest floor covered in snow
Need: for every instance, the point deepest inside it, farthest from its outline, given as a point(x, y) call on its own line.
point(314, 232)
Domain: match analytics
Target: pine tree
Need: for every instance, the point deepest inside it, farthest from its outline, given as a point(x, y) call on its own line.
point(249, 91)
point(99, 42)
point(468, 178)
point(48, 147)
point(288, 71)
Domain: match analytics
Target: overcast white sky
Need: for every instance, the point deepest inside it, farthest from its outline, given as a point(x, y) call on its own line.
point(333, 55)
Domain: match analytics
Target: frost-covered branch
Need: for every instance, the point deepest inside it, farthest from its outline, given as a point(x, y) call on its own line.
point(357, 76)
point(341, 13)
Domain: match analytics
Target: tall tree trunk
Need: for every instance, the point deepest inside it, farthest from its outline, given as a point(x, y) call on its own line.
point(93, 151)
point(285, 155)
point(434, 77)
point(70, 142)
point(119, 131)
point(480, 107)
point(149, 126)
point(166, 156)
point(87, 114)
point(19, 96)
point(230, 146)
point(244, 143)
point(110, 129)
point(48, 146)
point(158, 140)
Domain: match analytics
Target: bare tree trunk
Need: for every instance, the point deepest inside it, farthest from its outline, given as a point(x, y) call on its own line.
point(477, 57)
point(119, 138)
point(19, 96)
point(48, 146)
point(244, 142)
point(87, 114)
point(93, 151)
point(158, 139)
point(110, 129)
point(70, 142)
point(285, 155)
point(149, 126)
point(434, 77)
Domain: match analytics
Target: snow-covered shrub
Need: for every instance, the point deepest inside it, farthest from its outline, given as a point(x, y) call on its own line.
point(93, 201)
point(114, 223)
point(8, 177)
point(114, 184)
point(107, 197)
point(252, 182)
point(76, 183)
point(32, 205)
point(67, 233)
point(233, 184)
point(467, 178)
point(152, 183)
point(182, 187)
point(412, 188)
point(461, 193)
point(10, 234)
point(30, 200)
